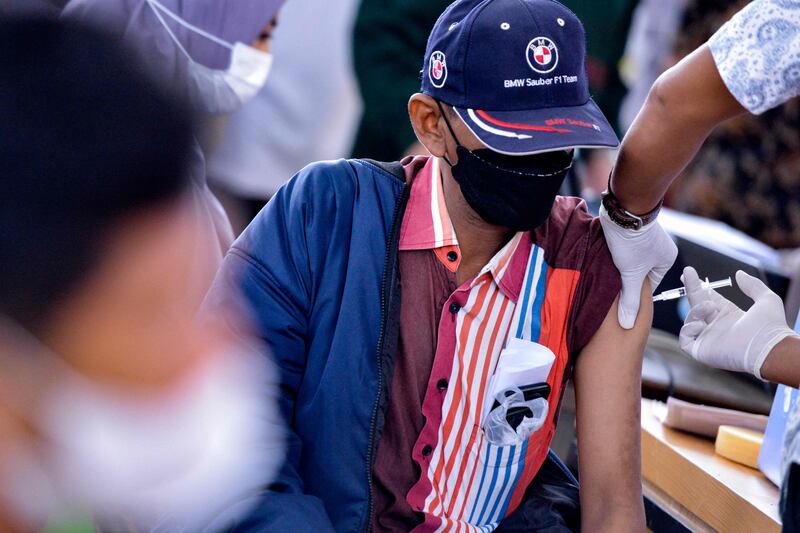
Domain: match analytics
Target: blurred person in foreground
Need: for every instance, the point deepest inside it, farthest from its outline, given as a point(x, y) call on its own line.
point(113, 401)
point(213, 53)
point(391, 293)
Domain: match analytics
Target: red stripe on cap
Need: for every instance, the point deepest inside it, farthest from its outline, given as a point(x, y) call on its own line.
point(527, 127)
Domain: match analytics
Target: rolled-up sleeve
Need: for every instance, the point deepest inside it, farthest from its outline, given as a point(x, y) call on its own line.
point(757, 54)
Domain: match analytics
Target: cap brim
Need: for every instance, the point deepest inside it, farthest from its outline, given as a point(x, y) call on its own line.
point(541, 130)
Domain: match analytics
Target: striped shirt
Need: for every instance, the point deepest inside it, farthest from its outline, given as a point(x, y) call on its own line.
point(465, 483)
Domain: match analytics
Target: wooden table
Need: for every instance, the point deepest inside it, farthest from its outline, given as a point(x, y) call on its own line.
point(701, 491)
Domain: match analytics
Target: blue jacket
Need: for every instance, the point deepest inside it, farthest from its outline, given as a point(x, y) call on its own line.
point(318, 267)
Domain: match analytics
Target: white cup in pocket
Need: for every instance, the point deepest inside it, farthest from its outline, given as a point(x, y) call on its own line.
point(521, 363)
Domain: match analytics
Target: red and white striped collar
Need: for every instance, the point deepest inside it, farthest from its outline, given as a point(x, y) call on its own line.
point(427, 226)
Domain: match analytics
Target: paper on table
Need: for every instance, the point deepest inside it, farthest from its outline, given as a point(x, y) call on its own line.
point(521, 363)
point(704, 419)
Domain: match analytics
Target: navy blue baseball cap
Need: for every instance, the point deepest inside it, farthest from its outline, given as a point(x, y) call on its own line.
point(514, 70)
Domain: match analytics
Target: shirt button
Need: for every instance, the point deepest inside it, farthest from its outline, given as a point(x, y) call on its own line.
point(454, 308)
point(442, 385)
point(452, 256)
point(426, 451)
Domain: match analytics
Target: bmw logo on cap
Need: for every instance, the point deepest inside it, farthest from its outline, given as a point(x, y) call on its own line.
point(438, 69)
point(542, 55)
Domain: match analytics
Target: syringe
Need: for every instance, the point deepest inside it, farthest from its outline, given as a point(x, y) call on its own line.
point(674, 294)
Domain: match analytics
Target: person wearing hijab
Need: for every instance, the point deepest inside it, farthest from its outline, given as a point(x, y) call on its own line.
point(213, 53)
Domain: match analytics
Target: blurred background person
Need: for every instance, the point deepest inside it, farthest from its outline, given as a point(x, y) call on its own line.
point(308, 110)
point(215, 53)
point(607, 25)
point(746, 173)
point(113, 402)
point(648, 52)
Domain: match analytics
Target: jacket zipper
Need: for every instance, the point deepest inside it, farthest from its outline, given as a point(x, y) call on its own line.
point(386, 286)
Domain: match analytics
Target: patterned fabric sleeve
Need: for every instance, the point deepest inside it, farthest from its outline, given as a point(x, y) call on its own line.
point(758, 54)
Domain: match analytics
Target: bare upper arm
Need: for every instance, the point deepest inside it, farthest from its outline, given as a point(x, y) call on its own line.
point(608, 394)
point(693, 92)
point(684, 105)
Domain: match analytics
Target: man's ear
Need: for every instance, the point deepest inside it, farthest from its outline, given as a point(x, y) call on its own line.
point(426, 118)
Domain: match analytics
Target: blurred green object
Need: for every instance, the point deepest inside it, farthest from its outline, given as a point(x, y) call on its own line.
point(73, 523)
point(388, 51)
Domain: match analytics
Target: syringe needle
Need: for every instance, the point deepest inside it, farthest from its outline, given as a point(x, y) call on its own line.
point(674, 294)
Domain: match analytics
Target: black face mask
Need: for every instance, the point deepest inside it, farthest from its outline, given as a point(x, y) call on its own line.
point(514, 192)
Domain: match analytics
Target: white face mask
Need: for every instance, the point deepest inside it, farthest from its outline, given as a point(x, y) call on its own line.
point(221, 91)
point(193, 460)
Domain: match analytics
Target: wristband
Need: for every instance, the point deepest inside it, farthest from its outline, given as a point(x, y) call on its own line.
point(623, 218)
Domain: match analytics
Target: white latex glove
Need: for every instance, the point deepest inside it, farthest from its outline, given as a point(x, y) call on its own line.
point(716, 332)
point(638, 254)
